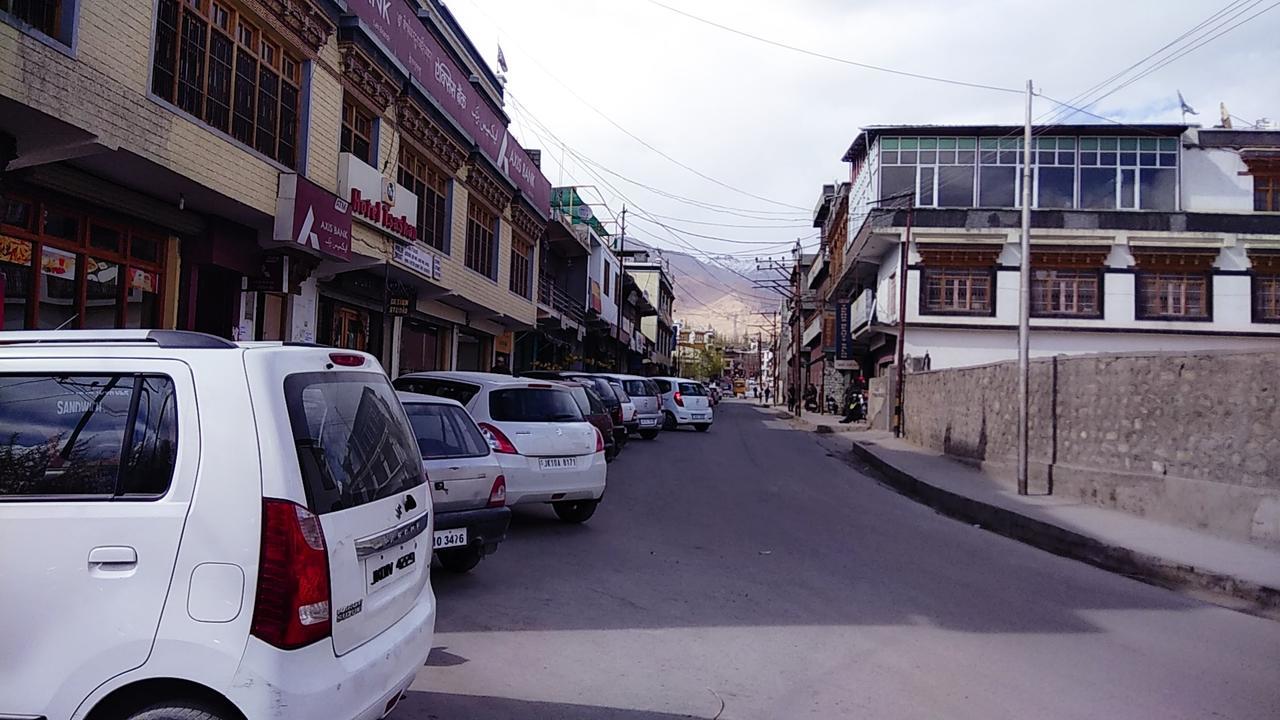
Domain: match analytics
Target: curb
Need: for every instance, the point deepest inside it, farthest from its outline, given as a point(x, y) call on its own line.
point(1225, 590)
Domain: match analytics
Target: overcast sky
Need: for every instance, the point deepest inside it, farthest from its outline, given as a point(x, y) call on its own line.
point(775, 123)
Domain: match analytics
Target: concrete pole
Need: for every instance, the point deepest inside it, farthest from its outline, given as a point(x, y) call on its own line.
point(622, 295)
point(904, 269)
point(1024, 309)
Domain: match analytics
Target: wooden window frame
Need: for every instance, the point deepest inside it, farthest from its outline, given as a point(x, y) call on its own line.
point(54, 27)
point(431, 184)
point(1141, 294)
point(237, 112)
point(1265, 295)
point(481, 252)
point(1266, 192)
point(1063, 276)
point(354, 113)
point(969, 274)
point(83, 252)
point(521, 281)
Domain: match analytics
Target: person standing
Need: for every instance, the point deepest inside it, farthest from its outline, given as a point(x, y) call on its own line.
point(768, 396)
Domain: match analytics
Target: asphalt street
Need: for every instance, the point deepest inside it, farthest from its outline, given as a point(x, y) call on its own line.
point(749, 573)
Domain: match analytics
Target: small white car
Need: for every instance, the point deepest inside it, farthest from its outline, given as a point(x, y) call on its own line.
point(685, 402)
point(645, 396)
point(468, 489)
point(549, 453)
point(201, 529)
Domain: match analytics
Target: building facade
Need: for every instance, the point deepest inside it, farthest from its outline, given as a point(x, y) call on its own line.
point(654, 280)
point(1152, 237)
point(292, 170)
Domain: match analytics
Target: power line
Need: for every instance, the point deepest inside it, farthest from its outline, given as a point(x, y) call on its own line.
point(796, 226)
point(844, 61)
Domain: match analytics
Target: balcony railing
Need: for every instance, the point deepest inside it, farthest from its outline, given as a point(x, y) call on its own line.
point(559, 299)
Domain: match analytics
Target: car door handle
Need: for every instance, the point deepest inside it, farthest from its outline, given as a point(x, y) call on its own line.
point(113, 557)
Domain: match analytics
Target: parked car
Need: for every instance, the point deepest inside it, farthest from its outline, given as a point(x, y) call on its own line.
point(685, 402)
point(630, 420)
point(548, 451)
point(596, 413)
point(468, 489)
point(207, 530)
point(602, 387)
point(644, 395)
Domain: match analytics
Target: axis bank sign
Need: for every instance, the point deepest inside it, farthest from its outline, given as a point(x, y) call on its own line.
point(312, 217)
point(396, 25)
point(377, 201)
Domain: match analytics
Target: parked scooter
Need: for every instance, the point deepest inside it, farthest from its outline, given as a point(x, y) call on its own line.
point(833, 407)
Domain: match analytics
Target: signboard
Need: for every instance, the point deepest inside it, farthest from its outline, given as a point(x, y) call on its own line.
point(401, 298)
point(310, 216)
point(377, 201)
point(273, 277)
point(844, 337)
point(418, 259)
point(396, 26)
point(595, 296)
point(503, 343)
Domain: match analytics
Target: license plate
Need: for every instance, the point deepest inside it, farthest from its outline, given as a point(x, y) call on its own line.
point(560, 463)
point(648, 421)
point(699, 416)
point(382, 569)
point(450, 538)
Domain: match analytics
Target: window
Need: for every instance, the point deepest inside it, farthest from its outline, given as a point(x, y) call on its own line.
point(431, 185)
point(608, 275)
point(521, 267)
point(1066, 293)
point(958, 291)
point(353, 444)
point(89, 435)
point(1128, 173)
point(445, 431)
point(43, 15)
point(241, 84)
point(940, 170)
point(482, 228)
point(693, 389)
point(1174, 295)
point(452, 390)
point(1266, 298)
point(1055, 166)
point(533, 405)
point(1266, 193)
point(357, 130)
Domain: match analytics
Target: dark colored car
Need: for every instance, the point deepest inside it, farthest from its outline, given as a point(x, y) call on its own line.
point(603, 388)
point(595, 412)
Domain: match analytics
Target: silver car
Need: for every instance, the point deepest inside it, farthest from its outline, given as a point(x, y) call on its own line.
point(645, 395)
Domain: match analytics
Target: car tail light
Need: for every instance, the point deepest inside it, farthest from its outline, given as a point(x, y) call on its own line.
point(599, 440)
point(678, 398)
point(498, 494)
point(497, 440)
point(617, 414)
point(346, 359)
point(292, 604)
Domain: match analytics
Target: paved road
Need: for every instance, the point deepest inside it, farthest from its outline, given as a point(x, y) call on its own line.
point(748, 566)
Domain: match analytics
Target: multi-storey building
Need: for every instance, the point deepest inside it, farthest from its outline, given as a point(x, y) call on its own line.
point(1148, 237)
point(302, 170)
point(653, 279)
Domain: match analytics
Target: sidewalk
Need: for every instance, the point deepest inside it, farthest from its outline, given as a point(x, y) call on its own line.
point(1230, 573)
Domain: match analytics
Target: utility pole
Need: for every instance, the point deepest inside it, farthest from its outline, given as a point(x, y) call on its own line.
point(900, 392)
point(622, 294)
point(1024, 309)
point(798, 307)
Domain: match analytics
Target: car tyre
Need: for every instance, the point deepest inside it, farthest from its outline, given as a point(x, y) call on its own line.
point(648, 434)
point(175, 711)
point(575, 511)
point(461, 560)
point(669, 422)
point(703, 427)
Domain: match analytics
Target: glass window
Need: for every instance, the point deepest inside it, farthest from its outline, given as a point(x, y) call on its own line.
point(357, 130)
point(462, 392)
point(897, 180)
point(1056, 187)
point(1266, 298)
point(102, 237)
point(43, 15)
point(1174, 296)
point(998, 186)
point(143, 299)
point(1073, 293)
point(1266, 193)
point(533, 405)
point(445, 431)
point(102, 294)
point(431, 185)
point(1158, 189)
point(620, 392)
point(638, 388)
point(58, 296)
point(692, 389)
point(65, 435)
point(955, 186)
point(61, 225)
point(521, 280)
point(958, 291)
point(481, 239)
point(1098, 188)
point(15, 281)
point(353, 444)
point(664, 386)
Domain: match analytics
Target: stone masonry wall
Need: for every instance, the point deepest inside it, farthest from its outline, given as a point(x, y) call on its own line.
point(1190, 438)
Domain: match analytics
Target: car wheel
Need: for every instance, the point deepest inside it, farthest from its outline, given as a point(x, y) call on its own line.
point(610, 453)
point(175, 711)
point(648, 434)
point(702, 428)
point(669, 423)
point(460, 560)
point(575, 511)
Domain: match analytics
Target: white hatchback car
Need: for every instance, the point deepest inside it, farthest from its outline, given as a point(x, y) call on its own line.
point(548, 451)
point(685, 402)
point(203, 530)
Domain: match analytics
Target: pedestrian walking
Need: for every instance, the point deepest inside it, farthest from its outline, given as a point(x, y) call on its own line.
point(768, 396)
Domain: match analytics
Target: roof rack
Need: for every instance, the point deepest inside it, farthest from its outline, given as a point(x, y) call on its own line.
point(169, 339)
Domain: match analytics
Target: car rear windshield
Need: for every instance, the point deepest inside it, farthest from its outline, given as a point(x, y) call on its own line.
point(694, 389)
point(354, 446)
point(445, 431)
point(533, 405)
point(603, 389)
point(641, 388)
point(451, 389)
point(620, 392)
point(664, 386)
point(87, 435)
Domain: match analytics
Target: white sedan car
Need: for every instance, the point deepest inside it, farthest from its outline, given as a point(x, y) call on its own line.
point(549, 453)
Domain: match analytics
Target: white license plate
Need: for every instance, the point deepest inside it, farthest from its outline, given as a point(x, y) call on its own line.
point(450, 538)
point(699, 416)
point(382, 569)
point(648, 421)
point(557, 463)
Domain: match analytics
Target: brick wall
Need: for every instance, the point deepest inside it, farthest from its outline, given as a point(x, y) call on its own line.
point(1190, 438)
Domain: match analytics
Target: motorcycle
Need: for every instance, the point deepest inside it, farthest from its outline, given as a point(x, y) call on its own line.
point(833, 407)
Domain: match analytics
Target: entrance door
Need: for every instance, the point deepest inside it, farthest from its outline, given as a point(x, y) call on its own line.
point(419, 348)
point(350, 329)
point(217, 298)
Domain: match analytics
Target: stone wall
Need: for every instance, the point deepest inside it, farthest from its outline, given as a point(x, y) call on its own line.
point(1189, 438)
